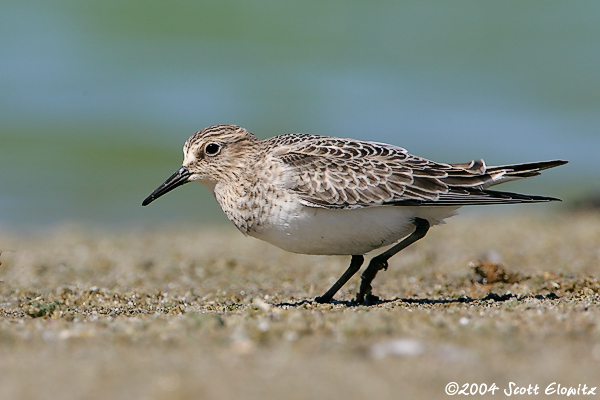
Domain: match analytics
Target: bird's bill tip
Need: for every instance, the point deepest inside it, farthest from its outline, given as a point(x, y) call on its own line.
point(180, 177)
point(148, 200)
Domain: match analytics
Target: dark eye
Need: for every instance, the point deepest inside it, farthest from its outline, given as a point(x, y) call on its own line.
point(212, 148)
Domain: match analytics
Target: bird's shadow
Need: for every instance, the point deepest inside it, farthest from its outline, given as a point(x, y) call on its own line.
point(375, 302)
point(458, 300)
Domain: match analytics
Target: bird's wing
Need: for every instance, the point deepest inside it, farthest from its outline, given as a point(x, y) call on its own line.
point(344, 174)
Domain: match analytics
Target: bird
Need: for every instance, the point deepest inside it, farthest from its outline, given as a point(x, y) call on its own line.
point(323, 195)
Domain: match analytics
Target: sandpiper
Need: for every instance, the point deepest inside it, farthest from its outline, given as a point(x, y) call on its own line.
point(333, 196)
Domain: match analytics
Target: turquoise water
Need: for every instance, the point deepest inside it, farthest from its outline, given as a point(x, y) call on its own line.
point(97, 98)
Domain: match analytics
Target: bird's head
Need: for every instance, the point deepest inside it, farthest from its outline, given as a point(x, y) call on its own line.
point(214, 154)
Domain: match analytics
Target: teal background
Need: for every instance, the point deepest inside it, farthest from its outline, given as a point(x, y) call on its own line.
point(97, 97)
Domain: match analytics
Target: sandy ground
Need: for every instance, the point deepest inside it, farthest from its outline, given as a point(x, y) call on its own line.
point(209, 314)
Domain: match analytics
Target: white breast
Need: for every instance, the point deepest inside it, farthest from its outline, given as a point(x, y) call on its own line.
point(309, 230)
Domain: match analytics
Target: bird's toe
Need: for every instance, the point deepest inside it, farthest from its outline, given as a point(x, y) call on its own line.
point(323, 299)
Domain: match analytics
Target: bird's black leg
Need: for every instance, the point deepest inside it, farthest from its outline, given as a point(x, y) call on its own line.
point(380, 262)
point(355, 264)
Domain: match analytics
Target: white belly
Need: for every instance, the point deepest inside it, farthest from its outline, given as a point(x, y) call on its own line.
point(309, 230)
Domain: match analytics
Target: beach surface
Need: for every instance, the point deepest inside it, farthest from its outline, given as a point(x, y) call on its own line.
point(507, 301)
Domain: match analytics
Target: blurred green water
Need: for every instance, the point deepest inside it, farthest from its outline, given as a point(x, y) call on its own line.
point(96, 98)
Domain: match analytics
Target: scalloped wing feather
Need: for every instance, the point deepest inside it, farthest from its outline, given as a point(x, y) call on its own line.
point(344, 173)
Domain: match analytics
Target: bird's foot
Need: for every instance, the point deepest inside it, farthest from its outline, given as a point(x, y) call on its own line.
point(366, 299)
point(323, 299)
point(371, 299)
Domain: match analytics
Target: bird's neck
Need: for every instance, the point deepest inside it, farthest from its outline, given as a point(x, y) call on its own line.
point(240, 202)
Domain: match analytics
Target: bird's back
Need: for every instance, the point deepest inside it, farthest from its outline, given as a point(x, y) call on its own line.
point(342, 173)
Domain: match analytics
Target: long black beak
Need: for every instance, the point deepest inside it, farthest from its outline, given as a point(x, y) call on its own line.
point(180, 177)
